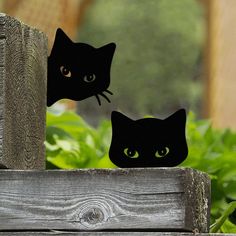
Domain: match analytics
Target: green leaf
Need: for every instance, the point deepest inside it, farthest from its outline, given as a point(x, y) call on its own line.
point(228, 227)
point(221, 221)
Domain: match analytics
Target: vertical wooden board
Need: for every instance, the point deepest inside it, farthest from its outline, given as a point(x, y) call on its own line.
point(221, 69)
point(2, 76)
point(197, 187)
point(23, 75)
point(150, 199)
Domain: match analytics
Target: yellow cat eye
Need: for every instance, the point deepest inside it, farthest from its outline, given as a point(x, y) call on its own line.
point(65, 72)
point(89, 78)
point(131, 153)
point(162, 152)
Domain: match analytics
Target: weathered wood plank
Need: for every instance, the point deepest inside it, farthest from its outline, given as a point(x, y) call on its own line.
point(23, 74)
point(159, 199)
point(55, 233)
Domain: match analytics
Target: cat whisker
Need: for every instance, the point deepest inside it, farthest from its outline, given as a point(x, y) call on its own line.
point(98, 99)
point(108, 92)
point(105, 97)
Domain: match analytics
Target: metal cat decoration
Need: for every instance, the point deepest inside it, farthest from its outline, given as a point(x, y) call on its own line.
point(148, 142)
point(77, 70)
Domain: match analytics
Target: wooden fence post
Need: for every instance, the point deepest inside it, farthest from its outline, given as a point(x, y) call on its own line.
point(23, 74)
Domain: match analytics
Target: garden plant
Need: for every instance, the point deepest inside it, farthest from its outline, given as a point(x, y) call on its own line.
point(72, 143)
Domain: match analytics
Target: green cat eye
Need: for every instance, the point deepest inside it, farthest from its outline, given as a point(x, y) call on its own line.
point(162, 152)
point(65, 72)
point(131, 153)
point(89, 78)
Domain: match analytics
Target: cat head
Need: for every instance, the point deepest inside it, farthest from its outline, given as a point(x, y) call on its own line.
point(77, 70)
point(148, 142)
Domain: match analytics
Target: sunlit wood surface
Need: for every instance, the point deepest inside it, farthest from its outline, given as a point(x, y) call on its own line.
point(221, 65)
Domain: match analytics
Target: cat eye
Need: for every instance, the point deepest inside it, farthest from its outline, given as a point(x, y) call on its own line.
point(65, 72)
point(89, 78)
point(131, 153)
point(162, 152)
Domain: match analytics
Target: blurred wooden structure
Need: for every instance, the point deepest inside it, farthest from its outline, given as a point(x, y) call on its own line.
point(47, 16)
point(220, 91)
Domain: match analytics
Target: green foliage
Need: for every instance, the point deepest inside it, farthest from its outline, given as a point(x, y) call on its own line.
point(72, 143)
point(223, 224)
point(214, 152)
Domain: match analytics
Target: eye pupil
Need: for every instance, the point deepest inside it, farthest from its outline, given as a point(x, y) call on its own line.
point(162, 152)
point(132, 153)
point(89, 78)
point(65, 72)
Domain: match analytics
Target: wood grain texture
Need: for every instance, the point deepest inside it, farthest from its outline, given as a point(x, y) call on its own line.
point(158, 199)
point(23, 74)
point(55, 233)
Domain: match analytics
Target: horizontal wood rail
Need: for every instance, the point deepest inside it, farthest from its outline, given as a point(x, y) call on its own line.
point(148, 199)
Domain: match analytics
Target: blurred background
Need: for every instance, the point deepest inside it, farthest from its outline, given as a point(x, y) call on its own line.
point(170, 54)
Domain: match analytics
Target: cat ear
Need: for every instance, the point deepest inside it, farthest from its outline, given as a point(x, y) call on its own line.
point(107, 51)
point(61, 40)
point(178, 119)
point(109, 48)
point(62, 37)
point(119, 120)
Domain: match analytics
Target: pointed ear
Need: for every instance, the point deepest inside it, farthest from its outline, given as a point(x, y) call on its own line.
point(107, 51)
point(61, 40)
point(108, 48)
point(120, 121)
point(62, 37)
point(178, 119)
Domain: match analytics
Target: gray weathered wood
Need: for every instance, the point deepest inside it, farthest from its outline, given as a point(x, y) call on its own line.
point(23, 74)
point(158, 199)
point(60, 233)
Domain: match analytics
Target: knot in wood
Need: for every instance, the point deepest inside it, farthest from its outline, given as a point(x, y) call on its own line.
point(93, 216)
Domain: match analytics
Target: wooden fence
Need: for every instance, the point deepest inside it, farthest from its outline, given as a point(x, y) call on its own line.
point(34, 201)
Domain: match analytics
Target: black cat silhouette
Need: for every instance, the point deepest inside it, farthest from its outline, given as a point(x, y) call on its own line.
point(148, 142)
point(77, 70)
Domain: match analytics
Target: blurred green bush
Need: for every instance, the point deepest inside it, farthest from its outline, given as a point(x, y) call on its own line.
point(72, 143)
point(214, 152)
point(157, 63)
